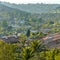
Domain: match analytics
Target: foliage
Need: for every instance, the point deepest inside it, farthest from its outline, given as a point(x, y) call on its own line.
point(27, 53)
point(28, 33)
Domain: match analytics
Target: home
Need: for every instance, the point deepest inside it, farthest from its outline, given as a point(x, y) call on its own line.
point(10, 39)
point(52, 40)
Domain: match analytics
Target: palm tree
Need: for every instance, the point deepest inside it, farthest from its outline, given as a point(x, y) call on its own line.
point(37, 47)
point(53, 53)
point(27, 53)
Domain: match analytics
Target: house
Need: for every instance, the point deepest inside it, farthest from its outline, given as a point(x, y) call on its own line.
point(10, 39)
point(52, 40)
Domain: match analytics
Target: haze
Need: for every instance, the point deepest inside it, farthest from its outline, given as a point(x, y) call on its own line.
point(32, 1)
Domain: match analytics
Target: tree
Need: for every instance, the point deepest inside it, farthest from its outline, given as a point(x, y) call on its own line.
point(7, 51)
point(27, 53)
point(53, 53)
point(28, 33)
point(9, 28)
point(4, 24)
point(38, 47)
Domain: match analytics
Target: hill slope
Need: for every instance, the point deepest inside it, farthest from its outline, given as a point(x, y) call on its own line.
point(33, 8)
point(11, 13)
point(18, 17)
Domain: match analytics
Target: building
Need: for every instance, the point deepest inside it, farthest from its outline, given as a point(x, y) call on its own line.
point(52, 40)
point(10, 39)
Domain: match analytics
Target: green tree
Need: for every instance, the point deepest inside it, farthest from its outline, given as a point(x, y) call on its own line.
point(28, 33)
point(27, 53)
point(38, 47)
point(4, 24)
point(7, 51)
point(52, 53)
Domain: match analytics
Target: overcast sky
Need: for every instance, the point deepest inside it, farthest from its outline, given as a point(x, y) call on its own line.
point(32, 1)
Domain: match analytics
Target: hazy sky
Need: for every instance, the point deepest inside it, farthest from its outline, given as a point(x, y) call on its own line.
point(33, 1)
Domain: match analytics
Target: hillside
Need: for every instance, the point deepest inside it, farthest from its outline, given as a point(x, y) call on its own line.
point(33, 8)
point(6, 11)
point(18, 20)
point(29, 31)
point(11, 17)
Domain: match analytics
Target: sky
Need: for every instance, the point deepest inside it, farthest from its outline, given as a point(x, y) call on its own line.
point(33, 1)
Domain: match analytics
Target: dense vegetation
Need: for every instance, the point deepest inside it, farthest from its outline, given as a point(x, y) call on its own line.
point(14, 20)
point(32, 21)
point(27, 50)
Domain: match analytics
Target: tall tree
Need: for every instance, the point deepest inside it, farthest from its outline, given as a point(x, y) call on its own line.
point(28, 33)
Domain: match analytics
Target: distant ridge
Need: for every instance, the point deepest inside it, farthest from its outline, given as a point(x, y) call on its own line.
point(32, 8)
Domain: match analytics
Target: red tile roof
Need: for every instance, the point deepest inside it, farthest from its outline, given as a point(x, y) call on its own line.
point(55, 36)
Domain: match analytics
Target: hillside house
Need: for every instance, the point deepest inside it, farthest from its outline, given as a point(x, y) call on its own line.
point(52, 40)
point(10, 39)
